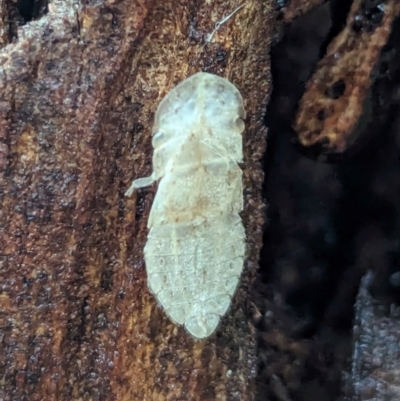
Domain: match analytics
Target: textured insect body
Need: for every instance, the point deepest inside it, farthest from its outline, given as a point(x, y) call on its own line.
point(196, 245)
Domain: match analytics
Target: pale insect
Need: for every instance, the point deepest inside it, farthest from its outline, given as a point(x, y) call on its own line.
point(196, 245)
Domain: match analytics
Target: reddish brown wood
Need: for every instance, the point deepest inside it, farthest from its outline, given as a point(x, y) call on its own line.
point(78, 90)
point(337, 92)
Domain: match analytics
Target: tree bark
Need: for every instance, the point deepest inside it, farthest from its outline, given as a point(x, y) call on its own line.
point(79, 88)
point(338, 94)
point(375, 364)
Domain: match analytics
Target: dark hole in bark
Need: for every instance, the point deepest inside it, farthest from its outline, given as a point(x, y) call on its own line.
point(336, 90)
point(32, 9)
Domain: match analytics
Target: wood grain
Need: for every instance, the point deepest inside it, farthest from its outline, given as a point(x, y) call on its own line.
point(78, 91)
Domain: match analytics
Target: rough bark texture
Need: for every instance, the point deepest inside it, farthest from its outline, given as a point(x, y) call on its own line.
point(338, 91)
point(78, 89)
point(376, 361)
point(4, 25)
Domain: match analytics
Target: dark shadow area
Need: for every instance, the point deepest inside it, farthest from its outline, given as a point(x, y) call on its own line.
point(21, 12)
point(327, 223)
point(32, 9)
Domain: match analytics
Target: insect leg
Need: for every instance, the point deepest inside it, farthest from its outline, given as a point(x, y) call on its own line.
point(140, 183)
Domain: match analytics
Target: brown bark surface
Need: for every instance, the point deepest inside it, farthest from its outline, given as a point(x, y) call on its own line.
point(337, 93)
point(78, 90)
